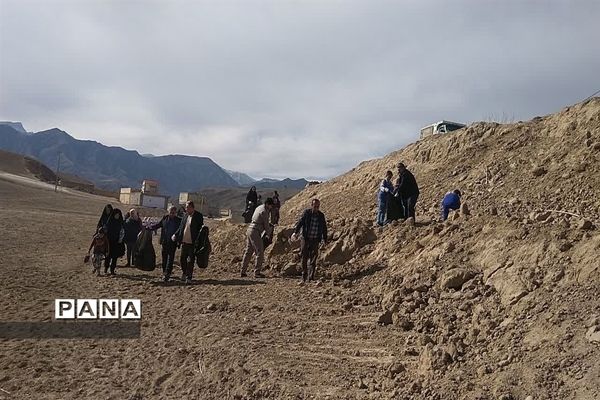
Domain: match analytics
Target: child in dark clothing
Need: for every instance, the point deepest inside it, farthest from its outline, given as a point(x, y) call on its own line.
point(101, 247)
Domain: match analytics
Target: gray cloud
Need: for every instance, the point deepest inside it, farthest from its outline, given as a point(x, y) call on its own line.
point(293, 89)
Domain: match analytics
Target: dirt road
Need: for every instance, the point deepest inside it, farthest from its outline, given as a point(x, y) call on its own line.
point(223, 337)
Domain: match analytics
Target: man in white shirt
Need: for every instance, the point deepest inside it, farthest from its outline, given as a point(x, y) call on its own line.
point(254, 241)
point(186, 235)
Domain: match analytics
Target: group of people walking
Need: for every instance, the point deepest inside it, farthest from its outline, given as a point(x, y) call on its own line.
point(398, 200)
point(115, 236)
point(108, 242)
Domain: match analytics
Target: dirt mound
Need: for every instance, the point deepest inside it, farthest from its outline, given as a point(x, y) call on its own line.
point(547, 163)
point(475, 296)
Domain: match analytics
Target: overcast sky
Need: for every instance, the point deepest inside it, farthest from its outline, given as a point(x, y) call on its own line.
point(288, 88)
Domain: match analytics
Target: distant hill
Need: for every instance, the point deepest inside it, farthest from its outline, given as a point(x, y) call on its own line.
point(17, 126)
point(281, 184)
point(114, 167)
point(241, 178)
point(235, 198)
point(18, 164)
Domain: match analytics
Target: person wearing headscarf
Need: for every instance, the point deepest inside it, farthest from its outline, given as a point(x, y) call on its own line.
point(132, 226)
point(108, 209)
point(115, 233)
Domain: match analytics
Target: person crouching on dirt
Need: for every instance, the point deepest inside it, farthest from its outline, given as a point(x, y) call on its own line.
point(133, 226)
point(186, 236)
point(383, 195)
point(101, 249)
point(168, 227)
point(115, 234)
point(408, 191)
point(314, 231)
point(254, 240)
point(451, 201)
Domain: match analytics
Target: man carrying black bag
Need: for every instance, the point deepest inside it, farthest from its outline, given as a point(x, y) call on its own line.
point(202, 248)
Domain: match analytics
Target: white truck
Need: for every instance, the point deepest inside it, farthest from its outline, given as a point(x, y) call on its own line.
point(440, 127)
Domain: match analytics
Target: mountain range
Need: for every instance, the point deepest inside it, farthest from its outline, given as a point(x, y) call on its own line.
point(111, 167)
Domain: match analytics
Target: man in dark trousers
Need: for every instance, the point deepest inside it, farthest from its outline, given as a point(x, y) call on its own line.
point(169, 224)
point(186, 235)
point(408, 190)
point(314, 231)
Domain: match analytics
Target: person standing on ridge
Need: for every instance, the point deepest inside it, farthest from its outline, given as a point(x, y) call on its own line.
point(383, 195)
point(251, 204)
point(408, 191)
point(276, 207)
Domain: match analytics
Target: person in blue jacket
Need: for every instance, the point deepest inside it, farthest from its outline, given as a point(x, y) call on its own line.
point(451, 201)
point(383, 195)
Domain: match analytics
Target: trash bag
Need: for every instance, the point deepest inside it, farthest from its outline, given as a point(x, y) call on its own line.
point(250, 207)
point(120, 250)
point(203, 248)
point(145, 257)
point(394, 208)
point(266, 239)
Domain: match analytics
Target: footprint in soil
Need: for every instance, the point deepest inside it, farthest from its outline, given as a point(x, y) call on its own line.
point(161, 379)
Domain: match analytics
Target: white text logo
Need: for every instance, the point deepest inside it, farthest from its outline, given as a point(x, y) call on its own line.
point(97, 309)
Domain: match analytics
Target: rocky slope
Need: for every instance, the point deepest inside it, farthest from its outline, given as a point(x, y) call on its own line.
point(501, 301)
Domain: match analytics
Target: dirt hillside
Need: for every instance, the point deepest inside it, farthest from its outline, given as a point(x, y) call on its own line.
point(501, 301)
point(18, 164)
